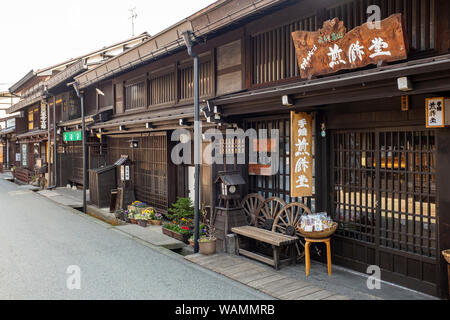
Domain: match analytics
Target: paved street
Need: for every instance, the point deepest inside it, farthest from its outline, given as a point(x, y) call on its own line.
point(39, 240)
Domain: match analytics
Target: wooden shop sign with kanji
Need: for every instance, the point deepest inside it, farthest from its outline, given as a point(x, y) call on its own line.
point(331, 48)
point(301, 154)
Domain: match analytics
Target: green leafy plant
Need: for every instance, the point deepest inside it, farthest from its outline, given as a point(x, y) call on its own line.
point(182, 208)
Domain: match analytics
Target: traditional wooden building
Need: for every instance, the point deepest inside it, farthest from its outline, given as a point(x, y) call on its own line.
point(378, 169)
point(48, 102)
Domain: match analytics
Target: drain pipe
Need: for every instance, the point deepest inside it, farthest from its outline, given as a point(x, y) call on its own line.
point(55, 159)
point(83, 138)
point(187, 40)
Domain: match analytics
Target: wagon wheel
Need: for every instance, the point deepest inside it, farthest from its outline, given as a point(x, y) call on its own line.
point(267, 212)
point(287, 222)
point(250, 204)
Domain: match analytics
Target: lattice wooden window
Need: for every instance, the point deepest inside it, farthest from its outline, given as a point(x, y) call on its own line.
point(162, 89)
point(278, 185)
point(384, 188)
point(273, 52)
point(135, 96)
point(420, 17)
point(204, 78)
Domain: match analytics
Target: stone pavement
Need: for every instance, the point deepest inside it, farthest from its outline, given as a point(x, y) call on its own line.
point(343, 284)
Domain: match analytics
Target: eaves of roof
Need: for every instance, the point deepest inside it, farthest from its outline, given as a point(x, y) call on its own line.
point(211, 19)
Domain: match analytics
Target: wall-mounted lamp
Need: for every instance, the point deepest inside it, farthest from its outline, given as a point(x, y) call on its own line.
point(134, 144)
point(100, 92)
point(122, 128)
point(404, 84)
point(287, 101)
point(148, 125)
point(182, 122)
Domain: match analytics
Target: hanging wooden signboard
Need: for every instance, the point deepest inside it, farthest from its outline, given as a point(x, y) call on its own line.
point(301, 154)
point(437, 113)
point(331, 49)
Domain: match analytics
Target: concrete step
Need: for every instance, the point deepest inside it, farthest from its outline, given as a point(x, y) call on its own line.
point(153, 235)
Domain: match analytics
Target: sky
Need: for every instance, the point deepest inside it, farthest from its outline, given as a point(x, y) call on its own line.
point(37, 34)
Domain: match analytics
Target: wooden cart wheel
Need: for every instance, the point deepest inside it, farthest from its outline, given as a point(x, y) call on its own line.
point(251, 203)
point(267, 212)
point(287, 222)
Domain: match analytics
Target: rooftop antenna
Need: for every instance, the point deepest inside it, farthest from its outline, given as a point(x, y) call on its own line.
point(132, 17)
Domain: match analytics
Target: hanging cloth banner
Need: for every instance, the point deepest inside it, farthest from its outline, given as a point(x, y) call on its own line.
point(331, 49)
point(301, 154)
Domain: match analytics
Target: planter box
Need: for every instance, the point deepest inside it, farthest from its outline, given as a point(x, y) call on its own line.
point(179, 236)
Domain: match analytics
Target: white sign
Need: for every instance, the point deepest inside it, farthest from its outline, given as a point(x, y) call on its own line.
point(122, 173)
point(43, 117)
point(127, 173)
point(437, 117)
point(17, 157)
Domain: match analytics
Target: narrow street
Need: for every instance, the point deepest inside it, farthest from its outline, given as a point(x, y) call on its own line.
point(39, 240)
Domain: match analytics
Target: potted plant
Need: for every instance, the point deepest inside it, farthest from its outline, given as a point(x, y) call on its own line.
point(13, 171)
point(131, 215)
point(202, 233)
point(155, 218)
point(175, 231)
point(118, 214)
point(141, 219)
point(182, 208)
point(207, 243)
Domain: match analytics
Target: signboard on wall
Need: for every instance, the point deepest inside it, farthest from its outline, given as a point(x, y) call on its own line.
point(437, 112)
point(301, 154)
point(331, 49)
point(24, 155)
point(72, 136)
point(43, 117)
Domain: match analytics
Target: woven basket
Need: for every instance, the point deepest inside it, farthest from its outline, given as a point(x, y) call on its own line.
point(319, 234)
point(446, 254)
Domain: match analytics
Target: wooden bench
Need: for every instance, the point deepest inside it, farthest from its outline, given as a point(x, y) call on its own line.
point(275, 239)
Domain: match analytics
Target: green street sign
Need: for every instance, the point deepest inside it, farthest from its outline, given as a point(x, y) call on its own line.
point(72, 136)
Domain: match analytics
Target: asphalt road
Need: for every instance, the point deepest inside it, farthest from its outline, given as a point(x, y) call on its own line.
point(39, 240)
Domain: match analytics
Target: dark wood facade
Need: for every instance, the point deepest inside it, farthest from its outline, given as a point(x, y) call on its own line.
point(379, 171)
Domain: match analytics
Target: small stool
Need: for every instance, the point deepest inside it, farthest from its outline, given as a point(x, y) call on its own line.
point(307, 255)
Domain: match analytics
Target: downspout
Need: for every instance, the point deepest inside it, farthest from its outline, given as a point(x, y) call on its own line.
point(187, 39)
point(83, 138)
point(49, 147)
point(55, 166)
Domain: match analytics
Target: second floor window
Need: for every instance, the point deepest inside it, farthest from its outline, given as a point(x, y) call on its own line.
point(135, 95)
point(33, 119)
point(205, 81)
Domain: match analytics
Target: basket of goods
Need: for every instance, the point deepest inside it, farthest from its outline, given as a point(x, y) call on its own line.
point(446, 254)
point(317, 226)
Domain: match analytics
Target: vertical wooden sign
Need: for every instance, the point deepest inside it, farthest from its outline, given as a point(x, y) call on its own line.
point(301, 154)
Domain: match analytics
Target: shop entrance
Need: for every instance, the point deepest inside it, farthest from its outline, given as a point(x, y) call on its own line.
point(383, 194)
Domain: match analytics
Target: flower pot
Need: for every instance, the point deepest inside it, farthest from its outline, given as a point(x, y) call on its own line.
point(207, 247)
point(133, 221)
point(191, 242)
point(179, 236)
point(142, 223)
point(156, 222)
